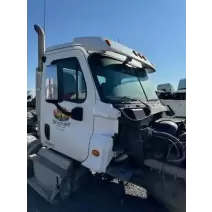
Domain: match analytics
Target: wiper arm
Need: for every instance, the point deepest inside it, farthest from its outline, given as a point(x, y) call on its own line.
point(128, 59)
point(135, 99)
point(152, 100)
point(167, 106)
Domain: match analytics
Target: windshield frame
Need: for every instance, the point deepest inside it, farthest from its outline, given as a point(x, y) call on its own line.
point(103, 98)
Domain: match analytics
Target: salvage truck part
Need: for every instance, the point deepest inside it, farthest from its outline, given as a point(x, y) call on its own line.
point(97, 112)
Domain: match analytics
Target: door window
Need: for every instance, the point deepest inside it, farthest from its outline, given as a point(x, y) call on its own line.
point(71, 80)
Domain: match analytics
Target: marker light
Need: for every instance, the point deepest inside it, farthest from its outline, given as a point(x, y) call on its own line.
point(95, 153)
point(135, 53)
point(108, 42)
point(141, 56)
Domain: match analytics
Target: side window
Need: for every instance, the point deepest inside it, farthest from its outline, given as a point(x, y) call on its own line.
point(72, 81)
point(101, 79)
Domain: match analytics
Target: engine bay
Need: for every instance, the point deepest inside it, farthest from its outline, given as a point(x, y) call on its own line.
point(145, 136)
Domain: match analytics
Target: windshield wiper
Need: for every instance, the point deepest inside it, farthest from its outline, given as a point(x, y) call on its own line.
point(129, 99)
point(128, 59)
point(153, 100)
point(135, 99)
point(167, 106)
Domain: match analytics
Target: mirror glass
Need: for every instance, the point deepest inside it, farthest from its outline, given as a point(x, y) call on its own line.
point(51, 80)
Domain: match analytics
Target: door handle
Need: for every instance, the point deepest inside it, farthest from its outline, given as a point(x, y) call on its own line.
point(47, 131)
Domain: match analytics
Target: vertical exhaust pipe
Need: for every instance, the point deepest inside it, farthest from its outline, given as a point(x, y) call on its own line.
point(39, 71)
point(41, 47)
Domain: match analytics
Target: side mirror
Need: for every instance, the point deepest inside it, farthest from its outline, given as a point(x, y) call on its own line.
point(51, 80)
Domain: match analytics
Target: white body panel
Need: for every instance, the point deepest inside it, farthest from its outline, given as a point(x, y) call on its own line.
point(79, 138)
point(99, 44)
point(105, 126)
point(104, 145)
point(73, 139)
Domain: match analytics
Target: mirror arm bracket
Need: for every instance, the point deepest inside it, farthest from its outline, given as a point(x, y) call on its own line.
point(76, 113)
point(62, 110)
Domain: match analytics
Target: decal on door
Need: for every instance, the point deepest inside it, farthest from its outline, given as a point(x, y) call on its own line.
point(60, 116)
point(61, 120)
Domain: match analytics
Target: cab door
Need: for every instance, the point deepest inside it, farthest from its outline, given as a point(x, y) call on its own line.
point(62, 132)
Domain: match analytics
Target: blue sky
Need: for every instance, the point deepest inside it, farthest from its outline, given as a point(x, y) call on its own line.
point(155, 28)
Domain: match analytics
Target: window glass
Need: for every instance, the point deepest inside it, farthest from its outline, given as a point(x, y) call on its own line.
point(101, 79)
point(116, 80)
point(72, 80)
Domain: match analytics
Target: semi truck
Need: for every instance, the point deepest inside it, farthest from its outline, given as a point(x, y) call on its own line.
point(103, 118)
point(176, 100)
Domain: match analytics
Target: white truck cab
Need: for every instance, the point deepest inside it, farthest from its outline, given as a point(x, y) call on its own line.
point(174, 99)
point(96, 110)
point(182, 84)
point(78, 70)
point(166, 87)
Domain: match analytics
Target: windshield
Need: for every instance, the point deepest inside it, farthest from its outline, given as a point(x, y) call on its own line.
point(116, 80)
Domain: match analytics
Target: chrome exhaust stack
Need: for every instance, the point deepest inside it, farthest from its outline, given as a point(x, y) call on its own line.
point(39, 71)
point(41, 46)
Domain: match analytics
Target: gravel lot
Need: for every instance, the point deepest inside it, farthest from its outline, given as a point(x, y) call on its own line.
point(98, 196)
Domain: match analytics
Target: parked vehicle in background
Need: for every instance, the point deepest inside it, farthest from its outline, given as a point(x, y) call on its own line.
point(174, 99)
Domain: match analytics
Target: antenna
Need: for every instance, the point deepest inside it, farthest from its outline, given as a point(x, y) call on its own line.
point(118, 40)
point(44, 17)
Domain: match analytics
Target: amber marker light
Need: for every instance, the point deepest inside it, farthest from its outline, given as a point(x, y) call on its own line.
point(108, 42)
point(135, 53)
point(95, 153)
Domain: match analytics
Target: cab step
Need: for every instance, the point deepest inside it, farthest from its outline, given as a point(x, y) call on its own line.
point(46, 193)
point(54, 176)
point(48, 172)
